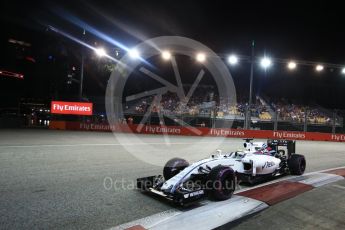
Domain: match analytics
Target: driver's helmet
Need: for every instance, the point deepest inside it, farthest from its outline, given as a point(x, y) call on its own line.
point(265, 149)
point(264, 146)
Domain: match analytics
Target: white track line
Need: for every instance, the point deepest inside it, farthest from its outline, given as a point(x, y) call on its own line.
point(318, 179)
point(325, 170)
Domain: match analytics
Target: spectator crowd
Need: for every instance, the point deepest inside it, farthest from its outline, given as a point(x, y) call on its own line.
point(205, 102)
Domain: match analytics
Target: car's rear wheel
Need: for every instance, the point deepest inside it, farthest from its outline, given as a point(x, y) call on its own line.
point(297, 164)
point(220, 183)
point(173, 167)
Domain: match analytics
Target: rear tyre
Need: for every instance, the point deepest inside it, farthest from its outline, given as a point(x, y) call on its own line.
point(297, 164)
point(173, 167)
point(220, 183)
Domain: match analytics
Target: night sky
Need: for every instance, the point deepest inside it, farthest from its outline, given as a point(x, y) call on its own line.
point(312, 30)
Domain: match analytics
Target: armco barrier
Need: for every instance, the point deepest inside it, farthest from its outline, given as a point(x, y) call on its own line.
point(58, 125)
point(177, 130)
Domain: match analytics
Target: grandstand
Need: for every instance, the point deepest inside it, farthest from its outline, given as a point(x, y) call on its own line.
point(205, 107)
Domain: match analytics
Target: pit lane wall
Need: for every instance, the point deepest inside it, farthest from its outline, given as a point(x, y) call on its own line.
point(192, 131)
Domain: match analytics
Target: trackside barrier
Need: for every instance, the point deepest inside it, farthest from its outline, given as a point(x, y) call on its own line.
point(189, 131)
point(58, 125)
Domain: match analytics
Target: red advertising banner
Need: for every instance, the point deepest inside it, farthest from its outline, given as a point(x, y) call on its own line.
point(74, 108)
point(188, 131)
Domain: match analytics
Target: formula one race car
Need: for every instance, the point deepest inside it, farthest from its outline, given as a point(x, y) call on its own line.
point(216, 177)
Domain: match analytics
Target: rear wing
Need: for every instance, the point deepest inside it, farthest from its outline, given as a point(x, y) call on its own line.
point(289, 144)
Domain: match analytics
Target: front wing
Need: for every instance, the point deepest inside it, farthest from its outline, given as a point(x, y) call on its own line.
point(152, 186)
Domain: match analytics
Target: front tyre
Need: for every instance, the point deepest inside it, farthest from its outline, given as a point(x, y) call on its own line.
point(297, 164)
point(220, 183)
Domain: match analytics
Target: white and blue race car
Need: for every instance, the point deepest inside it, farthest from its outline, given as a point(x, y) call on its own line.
point(216, 177)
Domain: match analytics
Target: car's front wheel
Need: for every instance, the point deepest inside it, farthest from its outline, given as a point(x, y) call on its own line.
point(220, 183)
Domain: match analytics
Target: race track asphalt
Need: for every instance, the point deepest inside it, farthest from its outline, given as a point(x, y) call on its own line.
point(52, 179)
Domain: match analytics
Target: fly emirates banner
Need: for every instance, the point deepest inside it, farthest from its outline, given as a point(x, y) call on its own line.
point(74, 108)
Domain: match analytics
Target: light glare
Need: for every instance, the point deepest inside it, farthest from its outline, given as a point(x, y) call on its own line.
point(133, 53)
point(200, 57)
point(292, 65)
point(233, 60)
point(166, 55)
point(266, 62)
point(319, 68)
point(100, 52)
